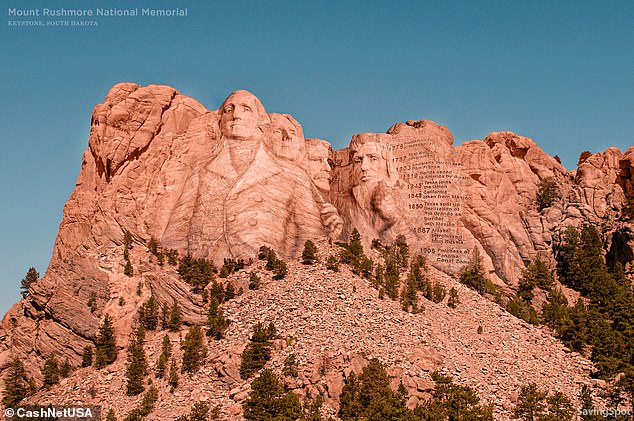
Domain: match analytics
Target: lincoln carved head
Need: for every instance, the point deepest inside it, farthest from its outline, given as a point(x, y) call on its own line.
point(242, 117)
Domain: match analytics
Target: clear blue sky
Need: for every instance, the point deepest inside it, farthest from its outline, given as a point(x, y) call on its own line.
point(560, 72)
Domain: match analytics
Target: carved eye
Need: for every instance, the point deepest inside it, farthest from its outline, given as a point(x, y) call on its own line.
point(357, 159)
point(228, 108)
point(278, 131)
point(247, 108)
point(330, 162)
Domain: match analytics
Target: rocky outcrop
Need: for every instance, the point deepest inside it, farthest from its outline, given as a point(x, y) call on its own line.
point(222, 183)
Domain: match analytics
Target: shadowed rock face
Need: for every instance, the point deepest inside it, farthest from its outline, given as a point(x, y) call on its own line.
point(222, 183)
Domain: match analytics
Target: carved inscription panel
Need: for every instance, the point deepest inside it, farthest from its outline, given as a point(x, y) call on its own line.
point(433, 187)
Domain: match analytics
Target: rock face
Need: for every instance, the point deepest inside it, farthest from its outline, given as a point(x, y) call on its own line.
point(220, 184)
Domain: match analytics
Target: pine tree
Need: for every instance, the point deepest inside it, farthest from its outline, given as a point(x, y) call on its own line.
point(153, 246)
point(332, 263)
point(473, 275)
point(350, 407)
point(216, 321)
point(128, 270)
point(166, 353)
point(31, 277)
point(309, 254)
point(86, 357)
point(269, 400)
point(148, 314)
point(531, 403)
point(16, 386)
point(173, 379)
point(194, 349)
point(51, 371)
point(165, 312)
point(230, 291)
point(453, 300)
point(105, 344)
point(257, 351)
point(254, 281)
point(111, 415)
point(409, 297)
point(65, 369)
point(354, 244)
point(136, 367)
point(392, 281)
point(175, 319)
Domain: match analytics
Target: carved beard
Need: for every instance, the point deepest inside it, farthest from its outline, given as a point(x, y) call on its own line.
point(242, 153)
point(363, 194)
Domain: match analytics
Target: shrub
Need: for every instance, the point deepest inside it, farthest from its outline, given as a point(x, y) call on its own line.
point(309, 255)
point(453, 300)
point(216, 322)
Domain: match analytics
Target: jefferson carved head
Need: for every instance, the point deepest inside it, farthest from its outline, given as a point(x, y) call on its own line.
point(242, 117)
point(371, 159)
point(318, 163)
point(286, 138)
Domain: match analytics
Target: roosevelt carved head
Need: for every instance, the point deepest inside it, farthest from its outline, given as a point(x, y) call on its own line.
point(371, 159)
point(242, 117)
point(286, 137)
point(318, 162)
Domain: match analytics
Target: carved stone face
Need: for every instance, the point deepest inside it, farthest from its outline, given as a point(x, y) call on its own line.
point(286, 141)
point(318, 166)
point(239, 116)
point(368, 166)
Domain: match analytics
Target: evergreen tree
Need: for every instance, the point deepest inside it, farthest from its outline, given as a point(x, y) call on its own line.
point(559, 408)
point(522, 310)
point(65, 369)
point(86, 357)
point(354, 244)
point(166, 353)
point(128, 270)
point(136, 367)
point(473, 275)
point(175, 319)
point(332, 263)
point(257, 351)
point(31, 277)
point(173, 378)
point(111, 415)
point(230, 291)
point(280, 270)
point(216, 321)
point(269, 400)
point(587, 405)
point(51, 371)
point(531, 403)
point(409, 298)
point(290, 365)
point(199, 412)
point(309, 254)
point(350, 407)
point(194, 349)
point(392, 281)
point(535, 275)
point(555, 313)
point(153, 246)
point(547, 193)
point(453, 300)
point(165, 313)
point(16, 384)
point(148, 314)
point(254, 281)
point(454, 402)
point(105, 344)
point(402, 251)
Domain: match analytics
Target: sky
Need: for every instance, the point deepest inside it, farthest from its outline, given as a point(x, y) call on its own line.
point(560, 72)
